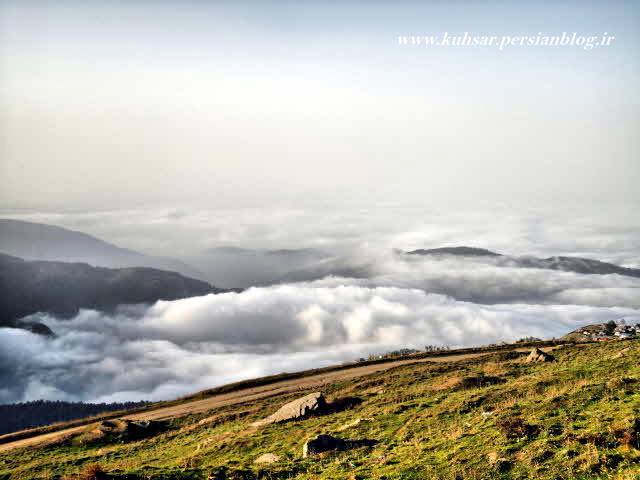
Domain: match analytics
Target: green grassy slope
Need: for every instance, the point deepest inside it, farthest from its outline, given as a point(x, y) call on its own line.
point(488, 417)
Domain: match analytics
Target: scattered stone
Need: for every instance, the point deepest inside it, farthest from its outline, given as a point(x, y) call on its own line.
point(267, 458)
point(356, 422)
point(326, 443)
point(311, 404)
point(538, 355)
point(322, 443)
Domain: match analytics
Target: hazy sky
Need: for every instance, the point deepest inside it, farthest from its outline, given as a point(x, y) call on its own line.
point(174, 127)
point(110, 104)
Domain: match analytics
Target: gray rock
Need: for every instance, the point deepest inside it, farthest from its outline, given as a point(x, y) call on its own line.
point(354, 423)
point(538, 355)
point(322, 443)
point(311, 404)
point(267, 458)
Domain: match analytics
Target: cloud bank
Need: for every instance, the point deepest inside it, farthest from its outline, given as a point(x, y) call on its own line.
point(173, 348)
point(361, 298)
point(602, 231)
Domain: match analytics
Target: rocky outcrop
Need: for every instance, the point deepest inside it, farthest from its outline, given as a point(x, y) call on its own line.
point(538, 355)
point(327, 443)
point(120, 430)
point(311, 404)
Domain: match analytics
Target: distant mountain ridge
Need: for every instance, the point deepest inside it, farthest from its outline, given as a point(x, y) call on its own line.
point(38, 241)
point(28, 287)
point(464, 251)
point(562, 263)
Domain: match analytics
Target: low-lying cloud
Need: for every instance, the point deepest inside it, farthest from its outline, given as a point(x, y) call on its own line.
point(353, 298)
point(173, 348)
point(602, 231)
point(487, 280)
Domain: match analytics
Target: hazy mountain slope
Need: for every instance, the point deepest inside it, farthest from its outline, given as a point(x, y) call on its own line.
point(234, 267)
point(37, 241)
point(27, 287)
point(336, 267)
point(567, 264)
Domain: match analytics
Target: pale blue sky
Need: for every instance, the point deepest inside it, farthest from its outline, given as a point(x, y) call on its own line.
point(120, 104)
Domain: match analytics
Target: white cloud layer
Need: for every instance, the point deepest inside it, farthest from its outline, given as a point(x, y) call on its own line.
point(363, 298)
point(607, 232)
point(487, 280)
point(177, 347)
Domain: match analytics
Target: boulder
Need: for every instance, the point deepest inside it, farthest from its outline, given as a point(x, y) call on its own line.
point(327, 443)
point(322, 443)
point(538, 355)
point(311, 404)
point(267, 458)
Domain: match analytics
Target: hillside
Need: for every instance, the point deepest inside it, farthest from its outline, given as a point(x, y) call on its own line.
point(38, 241)
point(470, 417)
point(602, 331)
point(567, 264)
point(63, 288)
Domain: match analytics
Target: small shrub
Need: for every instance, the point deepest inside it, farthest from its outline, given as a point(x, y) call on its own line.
point(90, 472)
point(628, 436)
point(480, 381)
point(93, 472)
point(516, 427)
point(593, 438)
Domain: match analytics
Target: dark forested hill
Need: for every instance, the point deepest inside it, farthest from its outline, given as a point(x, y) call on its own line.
point(21, 416)
point(63, 288)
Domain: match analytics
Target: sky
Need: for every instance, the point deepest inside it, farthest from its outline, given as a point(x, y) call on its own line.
point(177, 128)
point(113, 105)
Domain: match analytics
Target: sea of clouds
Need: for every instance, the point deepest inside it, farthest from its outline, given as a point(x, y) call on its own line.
point(363, 298)
point(173, 348)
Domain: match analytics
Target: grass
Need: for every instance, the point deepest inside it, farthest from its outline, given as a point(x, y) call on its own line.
point(490, 417)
